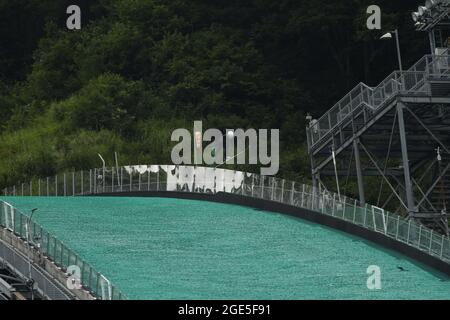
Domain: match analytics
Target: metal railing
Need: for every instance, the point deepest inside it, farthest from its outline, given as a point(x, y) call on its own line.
point(213, 180)
point(55, 250)
point(415, 81)
point(20, 264)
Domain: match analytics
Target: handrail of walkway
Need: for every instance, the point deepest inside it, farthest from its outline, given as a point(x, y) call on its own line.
point(412, 81)
point(48, 246)
point(196, 179)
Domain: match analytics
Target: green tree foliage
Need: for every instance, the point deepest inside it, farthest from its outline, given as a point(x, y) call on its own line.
point(107, 102)
point(139, 69)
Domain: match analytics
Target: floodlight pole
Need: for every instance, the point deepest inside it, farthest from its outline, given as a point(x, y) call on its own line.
point(405, 160)
point(397, 43)
point(399, 55)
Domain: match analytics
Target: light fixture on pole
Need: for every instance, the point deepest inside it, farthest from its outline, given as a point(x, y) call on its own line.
point(388, 36)
point(422, 10)
point(430, 4)
point(432, 8)
point(103, 160)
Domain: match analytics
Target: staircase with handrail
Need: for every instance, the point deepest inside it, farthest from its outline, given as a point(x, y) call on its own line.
point(431, 72)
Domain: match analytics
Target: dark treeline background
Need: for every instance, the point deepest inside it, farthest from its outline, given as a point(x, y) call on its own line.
point(139, 69)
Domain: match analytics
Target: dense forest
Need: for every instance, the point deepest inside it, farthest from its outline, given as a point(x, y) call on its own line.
point(138, 69)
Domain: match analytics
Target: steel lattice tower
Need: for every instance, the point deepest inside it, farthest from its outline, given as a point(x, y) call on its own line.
point(394, 138)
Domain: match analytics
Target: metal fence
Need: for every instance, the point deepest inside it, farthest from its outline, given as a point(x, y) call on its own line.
point(55, 250)
point(20, 264)
point(214, 180)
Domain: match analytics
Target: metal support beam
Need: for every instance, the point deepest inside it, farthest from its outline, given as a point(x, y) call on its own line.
point(383, 175)
point(423, 194)
point(313, 174)
point(428, 130)
point(405, 160)
point(433, 186)
point(359, 175)
point(432, 41)
point(349, 142)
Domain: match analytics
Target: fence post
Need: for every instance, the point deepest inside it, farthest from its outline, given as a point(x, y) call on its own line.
point(442, 246)
point(354, 211)
point(56, 185)
point(31, 188)
point(334, 203)
point(73, 183)
point(302, 204)
point(54, 250)
point(398, 225)
point(90, 181)
point(323, 202)
point(194, 180)
point(90, 279)
point(157, 179)
point(112, 180)
point(39, 187)
point(291, 197)
point(282, 191)
point(82, 184)
point(365, 214)
point(148, 181)
point(139, 182)
point(95, 181)
point(313, 200)
point(431, 240)
point(273, 188)
point(98, 283)
point(131, 180)
point(65, 185)
point(48, 244)
point(82, 268)
point(420, 234)
point(68, 257)
point(343, 207)
point(262, 187)
point(409, 228)
point(48, 189)
point(373, 219)
point(22, 189)
point(61, 253)
point(121, 178)
point(253, 183)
